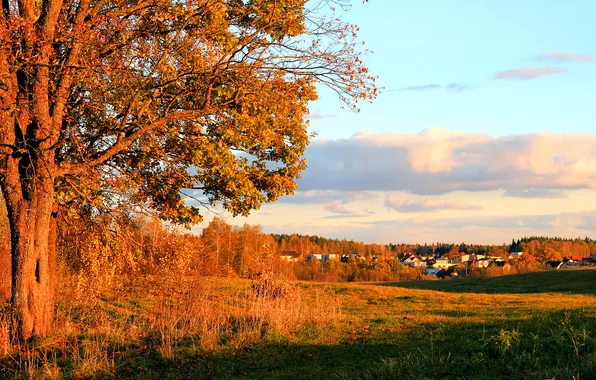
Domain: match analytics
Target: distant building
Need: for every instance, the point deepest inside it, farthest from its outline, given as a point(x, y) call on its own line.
point(498, 262)
point(289, 256)
point(314, 256)
point(465, 258)
point(449, 272)
point(331, 256)
point(351, 257)
point(442, 263)
point(515, 255)
point(589, 261)
point(484, 263)
point(557, 264)
point(572, 261)
point(413, 261)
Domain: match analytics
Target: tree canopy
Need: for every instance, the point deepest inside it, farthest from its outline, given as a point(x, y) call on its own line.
point(130, 103)
point(146, 98)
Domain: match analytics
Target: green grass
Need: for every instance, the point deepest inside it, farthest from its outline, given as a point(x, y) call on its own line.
point(513, 327)
point(575, 281)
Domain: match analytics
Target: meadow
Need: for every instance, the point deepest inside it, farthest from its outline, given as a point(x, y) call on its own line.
point(525, 326)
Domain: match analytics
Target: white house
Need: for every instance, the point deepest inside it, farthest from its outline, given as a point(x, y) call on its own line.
point(442, 264)
point(465, 258)
point(314, 256)
point(414, 262)
point(331, 256)
point(484, 263)
point(289, 256)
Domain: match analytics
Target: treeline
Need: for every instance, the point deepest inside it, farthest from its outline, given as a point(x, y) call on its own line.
point(542, 248)
point(96, 248)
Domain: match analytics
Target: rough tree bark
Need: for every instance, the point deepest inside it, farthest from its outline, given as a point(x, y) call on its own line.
point(30, 126)
point(29, 203)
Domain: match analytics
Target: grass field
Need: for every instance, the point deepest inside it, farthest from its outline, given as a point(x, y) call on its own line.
point(527, 326)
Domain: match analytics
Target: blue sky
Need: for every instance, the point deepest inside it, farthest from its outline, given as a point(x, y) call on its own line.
point(468, 42)
point(485, 131)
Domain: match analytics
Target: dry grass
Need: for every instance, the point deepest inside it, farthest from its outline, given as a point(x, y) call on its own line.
point(194, 327)
point(94, 333)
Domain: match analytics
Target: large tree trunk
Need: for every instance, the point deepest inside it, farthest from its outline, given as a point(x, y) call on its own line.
point(32, 225)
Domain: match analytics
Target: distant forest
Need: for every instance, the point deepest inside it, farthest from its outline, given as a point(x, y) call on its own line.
point(105, 246)
point(538, 246)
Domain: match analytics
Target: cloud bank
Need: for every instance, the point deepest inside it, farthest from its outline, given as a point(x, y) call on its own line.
point(427, 205)
point(437, 162)
point(585, 221)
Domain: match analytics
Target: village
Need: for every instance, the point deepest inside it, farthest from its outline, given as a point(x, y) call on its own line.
point(442, 266)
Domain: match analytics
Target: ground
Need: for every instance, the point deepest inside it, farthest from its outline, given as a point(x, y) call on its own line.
point(526, 326)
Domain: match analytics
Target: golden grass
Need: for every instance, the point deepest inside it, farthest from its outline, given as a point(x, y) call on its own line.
point(152, 325)
point(205, 314)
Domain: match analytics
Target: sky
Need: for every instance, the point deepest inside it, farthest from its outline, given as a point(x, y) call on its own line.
point(484, 131)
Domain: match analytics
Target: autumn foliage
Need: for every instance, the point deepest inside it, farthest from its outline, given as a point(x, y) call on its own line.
point(140, 106)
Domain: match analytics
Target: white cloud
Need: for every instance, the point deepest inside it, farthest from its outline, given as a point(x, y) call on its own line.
point(423, 87)
point(318, 116)
point(557, 56)
point(427, 205)
point(451, 87)
point(337, 208)
point(536, 193)
point(325, 196)
point(529, 72)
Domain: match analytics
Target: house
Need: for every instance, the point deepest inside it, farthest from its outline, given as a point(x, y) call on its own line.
point(498, 262)
point(515, 255)
point(314, 256)
point(289, 256)
point(442, 263)
point(322, 257)
point(484, 263)
point(477, 257)
point(573, 261)
point(449, 272)
point(557, 264)
point(331, 256)
point(413, 261)
point(351, 257)
point(589, 261)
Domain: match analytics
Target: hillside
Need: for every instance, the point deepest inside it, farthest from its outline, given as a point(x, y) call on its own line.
point(560, 281)
point(225, 328)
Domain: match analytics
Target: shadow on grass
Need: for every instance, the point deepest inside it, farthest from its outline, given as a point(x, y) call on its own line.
point(560, 281)
point(549, 345)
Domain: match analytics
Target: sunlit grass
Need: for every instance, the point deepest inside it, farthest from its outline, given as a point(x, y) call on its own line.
point(223, 328)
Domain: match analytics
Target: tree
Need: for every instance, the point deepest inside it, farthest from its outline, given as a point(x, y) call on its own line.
point(107, 103)
point(218, 237)
point(4, 254)
point(551, 254)
point(454, 252)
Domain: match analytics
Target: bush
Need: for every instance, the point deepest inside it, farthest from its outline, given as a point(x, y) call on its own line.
point(268, 287)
